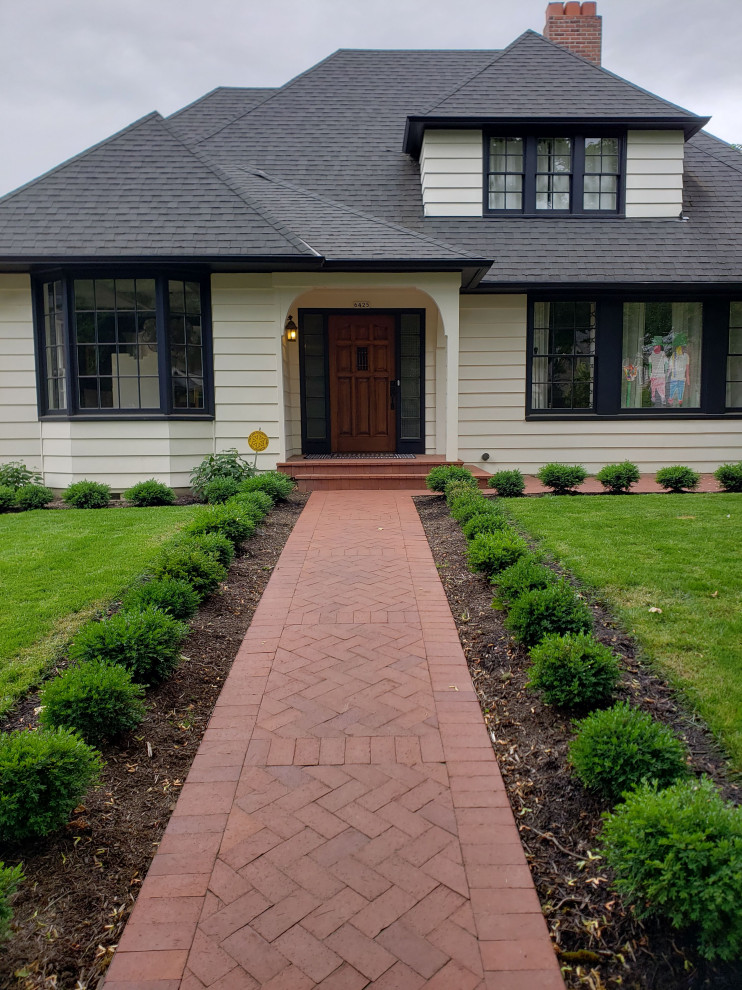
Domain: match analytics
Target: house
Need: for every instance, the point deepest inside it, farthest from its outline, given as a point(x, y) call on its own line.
point(505, 257)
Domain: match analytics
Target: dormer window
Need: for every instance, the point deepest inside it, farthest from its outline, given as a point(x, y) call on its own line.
point(554, 174)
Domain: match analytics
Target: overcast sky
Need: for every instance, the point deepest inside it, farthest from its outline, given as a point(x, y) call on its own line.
point(74, 71)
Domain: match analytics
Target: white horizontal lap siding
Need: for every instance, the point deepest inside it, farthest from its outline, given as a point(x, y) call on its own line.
point(492, 370)
point(247, 345)
point(19, 425)
point(654, 173)
point(451, 173)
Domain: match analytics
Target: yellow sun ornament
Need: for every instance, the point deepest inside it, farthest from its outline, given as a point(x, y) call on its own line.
point(258, 441)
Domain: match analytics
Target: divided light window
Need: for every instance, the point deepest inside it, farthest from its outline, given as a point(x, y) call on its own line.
point(563, 362)
point(577, 174)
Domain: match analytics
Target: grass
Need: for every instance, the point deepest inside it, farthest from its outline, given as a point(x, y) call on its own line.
point(677, 553)
point(58, 568)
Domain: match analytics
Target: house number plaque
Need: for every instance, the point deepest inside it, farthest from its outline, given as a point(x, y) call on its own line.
point(361, 304)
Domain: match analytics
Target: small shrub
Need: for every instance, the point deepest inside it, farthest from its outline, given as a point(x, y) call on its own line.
point(147, 643)
point(255, 505)
point(483, 522)
point(87, 495)
point(554, 609)
point(7, 498)
point(620, 747)
point(678, 478)
point(471, 504)
point(171, 595)
point(33, 497)
point(524, 575)
point(561, 478)
point(197, 568)
point(573, 671)
point(43, 775)
point(458, 486)
point(219, 490)
point(15, 474)
point(274, 483)
point(490, 553)
point(98, 700)
point(150, 492)
point(437, 478)
point(215, 545)
point(10, 880)
point(618, 478)
point(225, 464)
point(729, 477)
point(677, 853)
point(508, 484)
point(230, 520)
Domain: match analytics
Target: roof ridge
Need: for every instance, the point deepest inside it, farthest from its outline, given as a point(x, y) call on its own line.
point(474, 75)
point(152, 115)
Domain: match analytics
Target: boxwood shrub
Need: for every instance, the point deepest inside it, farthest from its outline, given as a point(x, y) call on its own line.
point(618, 478)
point(490, 553)
point(677, 854)
point(483, 522)
point(147, 643)
point(508, 484)
point(150, 492)
point(276, 484)
point(216, 545)
point(729, 477)
point(542, 611)
point(10, 880)
point(458, 486)
point(437, 478)
point(573, 671)
point(7, 498)
point(43, 775)
point(472, 503)
point(230, 520)
point(87, 495)
point(219, 490)
point(256, 505)
point(185, 563)
point(561, 478)
point(620, 747)
point(171, 595)
point(98, 700)
point(33, 497)
point(525, 574)
point(678, 478)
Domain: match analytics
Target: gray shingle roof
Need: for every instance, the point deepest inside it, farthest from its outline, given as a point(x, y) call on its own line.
point(212, 111)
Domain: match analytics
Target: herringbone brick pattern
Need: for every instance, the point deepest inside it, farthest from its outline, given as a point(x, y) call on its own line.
point(344, 824)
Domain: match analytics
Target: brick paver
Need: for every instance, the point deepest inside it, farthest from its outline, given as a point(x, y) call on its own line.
point(344, 824)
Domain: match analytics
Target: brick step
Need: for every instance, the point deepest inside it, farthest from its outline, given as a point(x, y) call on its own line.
point(370, 474)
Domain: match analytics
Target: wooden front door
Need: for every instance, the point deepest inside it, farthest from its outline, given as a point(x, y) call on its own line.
point(362, 383)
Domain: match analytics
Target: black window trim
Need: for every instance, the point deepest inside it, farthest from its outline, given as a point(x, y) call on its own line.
point(531, 136)
point(161, 276)
point(608, 355)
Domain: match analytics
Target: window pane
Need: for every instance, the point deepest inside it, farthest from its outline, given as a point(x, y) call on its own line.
point(661, 360)
point(562, 369)
point(734, 395)
point(54, 354)
point(84, 294)
point(125, 295)
point(105, 293)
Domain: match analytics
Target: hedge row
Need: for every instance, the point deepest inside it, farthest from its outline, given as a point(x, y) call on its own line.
point(674, 845)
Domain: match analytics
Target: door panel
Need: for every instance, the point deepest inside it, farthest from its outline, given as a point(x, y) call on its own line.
point(362, 366)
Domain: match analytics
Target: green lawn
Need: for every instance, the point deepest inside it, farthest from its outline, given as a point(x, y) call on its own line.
point(679, 553)
point(57, 568)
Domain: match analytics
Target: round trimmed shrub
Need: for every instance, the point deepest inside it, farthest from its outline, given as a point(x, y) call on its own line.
point(541, 611)
point(276, 484)
point(171, 595)
point(98, 700)
point(184, 563)
point(573, 671)
point(150, 492)
point(561, 478)
point(729, 477)
point(255, 505)
point(219, 490)
point(216, 545)
point(483, 522)
point(10, 880)
point(43, 776)
point(620, 747)
point(677, 854)
point(618, 478)
point(524, 575)
point(230, 520)
point(438, 477)
point(33, 497)
point(508, 484)
point(147, 643)
point(678, 478)
point(489, 553)
point(87, 495)
point(7, 498)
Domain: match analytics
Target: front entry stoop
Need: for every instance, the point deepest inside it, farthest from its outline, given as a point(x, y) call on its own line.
point(365, 473)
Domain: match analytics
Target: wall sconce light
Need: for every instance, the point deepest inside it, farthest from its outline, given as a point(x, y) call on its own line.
point(290, 328)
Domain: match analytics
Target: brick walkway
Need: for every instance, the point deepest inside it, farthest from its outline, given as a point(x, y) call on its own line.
point(344, 824)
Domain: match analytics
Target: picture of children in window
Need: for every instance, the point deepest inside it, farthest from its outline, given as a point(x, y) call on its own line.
point(658, 364)
point(679, 368)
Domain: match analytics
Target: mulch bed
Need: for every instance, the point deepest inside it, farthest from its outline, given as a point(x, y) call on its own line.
point(599, 941)
point(82, 883)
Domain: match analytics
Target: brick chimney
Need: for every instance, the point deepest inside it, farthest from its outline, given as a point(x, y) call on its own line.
point(576, 27)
